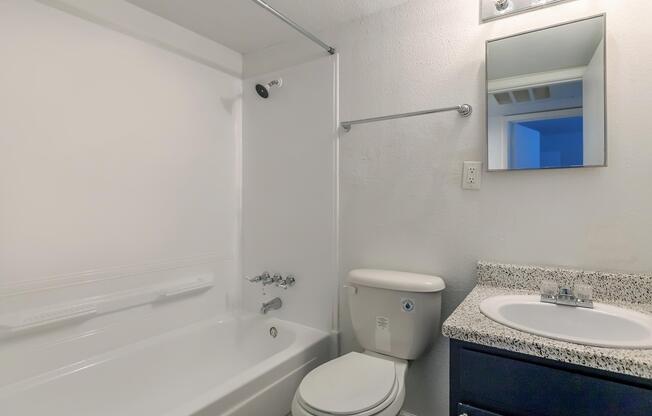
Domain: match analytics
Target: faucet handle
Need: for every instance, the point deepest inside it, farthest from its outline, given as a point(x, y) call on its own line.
point(286, 282)
point(268, 280)
point(549, 289)
point(583, 292)
point(260, 278)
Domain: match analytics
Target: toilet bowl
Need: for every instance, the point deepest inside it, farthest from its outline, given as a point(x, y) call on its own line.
point(354, 384)
point(394, 316)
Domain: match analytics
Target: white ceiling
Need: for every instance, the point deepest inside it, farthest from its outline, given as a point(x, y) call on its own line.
point(245, 27)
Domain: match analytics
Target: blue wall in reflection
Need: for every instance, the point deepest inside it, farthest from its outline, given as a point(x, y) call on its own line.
point(547, 143)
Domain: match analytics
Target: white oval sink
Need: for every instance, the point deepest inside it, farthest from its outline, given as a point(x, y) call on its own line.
point(604, 326)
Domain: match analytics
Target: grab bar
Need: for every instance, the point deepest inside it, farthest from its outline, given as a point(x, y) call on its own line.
point(184, 289)
point(18, 322)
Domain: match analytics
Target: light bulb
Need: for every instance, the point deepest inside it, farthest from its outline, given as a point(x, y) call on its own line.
point(503, 5)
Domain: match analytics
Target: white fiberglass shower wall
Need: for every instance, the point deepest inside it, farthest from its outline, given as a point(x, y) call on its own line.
point(121, 202)
point(290, 191)
point(119, 180)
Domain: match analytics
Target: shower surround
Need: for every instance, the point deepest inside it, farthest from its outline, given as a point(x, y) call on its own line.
point(123, 145)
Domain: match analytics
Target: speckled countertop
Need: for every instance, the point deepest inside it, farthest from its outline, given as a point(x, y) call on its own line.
point(467, 323)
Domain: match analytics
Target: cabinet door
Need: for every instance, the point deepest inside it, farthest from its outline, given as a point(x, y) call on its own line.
point(466, 410)
point(523, 388)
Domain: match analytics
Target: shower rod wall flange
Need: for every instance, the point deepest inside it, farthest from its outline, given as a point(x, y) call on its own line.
point(465, 110)
point(295, 26)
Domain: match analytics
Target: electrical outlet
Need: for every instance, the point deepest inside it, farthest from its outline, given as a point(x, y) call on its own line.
point(472, 177)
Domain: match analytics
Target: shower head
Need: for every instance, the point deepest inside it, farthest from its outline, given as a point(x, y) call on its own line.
point(263, 89)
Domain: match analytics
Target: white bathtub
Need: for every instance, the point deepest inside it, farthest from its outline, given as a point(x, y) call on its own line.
point(223, 367)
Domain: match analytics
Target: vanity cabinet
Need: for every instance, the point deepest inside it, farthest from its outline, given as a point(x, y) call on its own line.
point(492, 382)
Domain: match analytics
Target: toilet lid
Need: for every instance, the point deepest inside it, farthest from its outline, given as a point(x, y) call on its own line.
point(350, 384)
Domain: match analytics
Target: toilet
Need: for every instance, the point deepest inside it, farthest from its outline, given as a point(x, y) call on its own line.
point(395, 316)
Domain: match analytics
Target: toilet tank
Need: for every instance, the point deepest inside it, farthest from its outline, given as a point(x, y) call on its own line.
point(395, 313)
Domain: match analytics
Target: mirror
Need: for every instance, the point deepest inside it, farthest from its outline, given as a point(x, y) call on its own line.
point(546, 105)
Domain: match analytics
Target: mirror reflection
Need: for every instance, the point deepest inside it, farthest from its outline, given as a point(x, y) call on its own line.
point(546, 98)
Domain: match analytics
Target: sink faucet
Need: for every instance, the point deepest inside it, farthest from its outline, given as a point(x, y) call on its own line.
point(275, 303)
point(581, 297)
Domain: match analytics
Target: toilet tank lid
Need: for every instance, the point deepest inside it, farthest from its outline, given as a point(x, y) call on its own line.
point(393, 280)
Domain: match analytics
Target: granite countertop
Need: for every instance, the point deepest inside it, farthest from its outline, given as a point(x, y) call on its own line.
point(468, 324)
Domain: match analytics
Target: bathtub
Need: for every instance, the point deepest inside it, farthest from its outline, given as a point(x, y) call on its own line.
point(232, 367)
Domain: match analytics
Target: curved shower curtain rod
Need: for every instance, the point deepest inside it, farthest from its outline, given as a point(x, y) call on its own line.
point(295, 26)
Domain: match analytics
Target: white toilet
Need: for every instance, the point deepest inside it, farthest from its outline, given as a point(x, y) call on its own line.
point(395, 316)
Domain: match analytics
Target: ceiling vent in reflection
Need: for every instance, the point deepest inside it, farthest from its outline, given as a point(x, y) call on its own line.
point(523, 95)
point(541, 93)
point(503, 98)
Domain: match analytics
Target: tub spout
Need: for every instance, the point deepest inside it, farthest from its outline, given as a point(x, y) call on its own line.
point(275, 303)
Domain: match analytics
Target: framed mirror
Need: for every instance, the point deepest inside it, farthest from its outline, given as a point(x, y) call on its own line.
point(546, 101)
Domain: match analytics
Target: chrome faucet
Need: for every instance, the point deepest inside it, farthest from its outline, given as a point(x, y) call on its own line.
point(277, 279)
point(260, 278)
point(581, 297)
point(270, 280)
point(286, 282)
point(273, 304)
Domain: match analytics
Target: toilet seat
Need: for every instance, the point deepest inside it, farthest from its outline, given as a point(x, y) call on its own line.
point(370, 412)
point(354, 384)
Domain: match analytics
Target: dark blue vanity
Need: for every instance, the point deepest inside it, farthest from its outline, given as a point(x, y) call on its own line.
point(488, 381)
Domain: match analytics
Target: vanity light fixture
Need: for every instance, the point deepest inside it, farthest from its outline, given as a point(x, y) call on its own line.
point(503, 6)
point(498, 9)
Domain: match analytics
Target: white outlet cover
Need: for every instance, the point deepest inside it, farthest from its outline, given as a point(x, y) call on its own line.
point(472, 175)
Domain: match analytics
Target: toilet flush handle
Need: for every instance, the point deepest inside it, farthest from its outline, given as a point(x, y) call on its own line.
point(355, 289)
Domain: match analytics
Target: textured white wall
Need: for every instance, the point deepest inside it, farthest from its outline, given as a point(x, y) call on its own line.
point(402, 206)
point(119, 168)
point(289, 191)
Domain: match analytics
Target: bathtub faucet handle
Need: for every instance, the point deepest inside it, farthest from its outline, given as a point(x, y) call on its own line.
point(269, 280)
point(286, 282)
point(260, 278)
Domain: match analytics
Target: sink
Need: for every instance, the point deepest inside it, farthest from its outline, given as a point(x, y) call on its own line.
point(604, 326)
